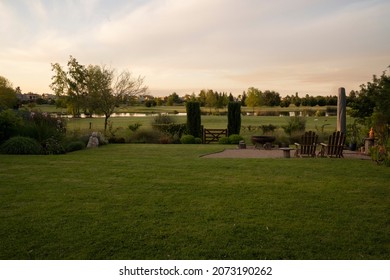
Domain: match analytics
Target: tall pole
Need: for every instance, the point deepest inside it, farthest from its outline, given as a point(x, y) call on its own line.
point(341, 111)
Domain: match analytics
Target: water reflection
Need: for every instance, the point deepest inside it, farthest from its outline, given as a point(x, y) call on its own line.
point(122, 115)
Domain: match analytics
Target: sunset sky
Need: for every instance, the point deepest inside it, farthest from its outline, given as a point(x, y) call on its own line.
point(306, 46)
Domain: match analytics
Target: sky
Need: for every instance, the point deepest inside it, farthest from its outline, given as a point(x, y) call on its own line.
point(307, 46)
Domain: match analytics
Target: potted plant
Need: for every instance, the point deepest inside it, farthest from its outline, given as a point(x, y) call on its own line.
point(353, 131)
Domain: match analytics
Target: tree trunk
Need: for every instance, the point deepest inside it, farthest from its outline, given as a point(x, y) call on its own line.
point(106, 122)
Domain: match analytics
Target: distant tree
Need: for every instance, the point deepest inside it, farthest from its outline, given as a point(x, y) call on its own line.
point(271, 98)
point(202, 98)
point(243, 98)
point(8, 99)
point(285, 102)
point(231, 97)
point(254, 98)
point(321, 100)
point(173, 99)
point(211, 99)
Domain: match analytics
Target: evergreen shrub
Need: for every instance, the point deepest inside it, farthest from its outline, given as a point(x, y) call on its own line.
point(193, 119)
point(234, 118)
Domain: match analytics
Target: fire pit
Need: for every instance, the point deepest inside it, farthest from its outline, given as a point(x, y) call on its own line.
point(265, 141)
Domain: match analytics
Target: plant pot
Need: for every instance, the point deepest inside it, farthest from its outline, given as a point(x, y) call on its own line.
point(352, 146)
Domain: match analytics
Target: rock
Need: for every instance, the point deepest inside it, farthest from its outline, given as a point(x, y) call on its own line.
point(93, 141)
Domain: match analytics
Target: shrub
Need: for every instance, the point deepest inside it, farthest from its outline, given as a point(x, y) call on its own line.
point(134, 127)
point(101, 138)
point(198, 140)
point(146, 136)
point(295, 124)
point(42, 126)
point(10, 123)
point(173, 130)
point(268, 128)
point(116, 140)
point(235, 139)
point(53, 146)
point(19, 145)
point(75, 146)
point(187, 139)
point(224, 140)
point(163, 119)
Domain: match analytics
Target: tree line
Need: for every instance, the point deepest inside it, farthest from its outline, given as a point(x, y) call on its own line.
point(253, 97)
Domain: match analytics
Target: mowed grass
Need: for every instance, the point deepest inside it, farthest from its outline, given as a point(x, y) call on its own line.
point(166, 202)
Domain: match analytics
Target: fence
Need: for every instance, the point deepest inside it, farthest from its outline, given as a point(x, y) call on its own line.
point(213, 135)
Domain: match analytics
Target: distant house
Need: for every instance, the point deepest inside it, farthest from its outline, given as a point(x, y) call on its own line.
point(28, 97)
point(49, 97)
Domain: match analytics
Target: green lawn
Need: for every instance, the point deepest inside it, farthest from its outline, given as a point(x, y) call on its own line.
point(166, 202)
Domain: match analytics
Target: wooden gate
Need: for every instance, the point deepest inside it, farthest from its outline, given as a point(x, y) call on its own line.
point(213, 135)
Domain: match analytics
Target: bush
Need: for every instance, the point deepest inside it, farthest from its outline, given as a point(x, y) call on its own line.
point(116, 140)
point(42, 126)
point(146, 136)
point(235, 139)
point(187, 139)
point(198, 140)
point(295, 124)
point(163, 119)
point(75, 146)
point(171, 129)
point(224, 140)
point(268, 128)
point(19, 145)
point(53, 146)
point(10, 124)
point(134, 127)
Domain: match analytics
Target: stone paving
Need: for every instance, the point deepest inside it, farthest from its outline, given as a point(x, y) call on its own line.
point(251, 152)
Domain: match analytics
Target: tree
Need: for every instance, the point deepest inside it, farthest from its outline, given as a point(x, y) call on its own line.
point(71, 84)
point(372, 104)
point(94, 89)
point(253, 98)
point(8, 99)
point(271, 98)
point(107, 91)
point(173, 99)
point(193, 119)
point(234, 118)
point(211, 99)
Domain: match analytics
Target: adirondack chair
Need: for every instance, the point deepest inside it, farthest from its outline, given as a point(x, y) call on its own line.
point(307, 145)
point(334, 147)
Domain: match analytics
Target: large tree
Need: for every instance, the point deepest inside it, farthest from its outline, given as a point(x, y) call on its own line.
point(107, 90)
point(372, 104)
point(8, 97)
point(71, 84)
point(94, 89)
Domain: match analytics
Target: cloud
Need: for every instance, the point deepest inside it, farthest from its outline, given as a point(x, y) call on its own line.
point(200, 43)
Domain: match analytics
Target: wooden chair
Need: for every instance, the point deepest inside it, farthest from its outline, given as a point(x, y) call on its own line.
point(334, 147)
point(308, 144)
